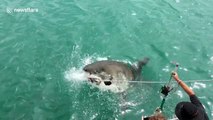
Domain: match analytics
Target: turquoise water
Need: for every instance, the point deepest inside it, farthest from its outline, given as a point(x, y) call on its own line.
point(38, 50)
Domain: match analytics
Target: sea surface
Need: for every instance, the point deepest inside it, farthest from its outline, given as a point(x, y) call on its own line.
point(45, 44)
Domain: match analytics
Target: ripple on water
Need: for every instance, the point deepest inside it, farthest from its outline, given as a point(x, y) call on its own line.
point(198, 85)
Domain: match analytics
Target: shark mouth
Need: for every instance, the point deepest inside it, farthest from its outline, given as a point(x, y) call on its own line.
point(107, 82)
point(96, 79)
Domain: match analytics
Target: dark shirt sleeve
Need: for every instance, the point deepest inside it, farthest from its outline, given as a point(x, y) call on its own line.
point(196, 101)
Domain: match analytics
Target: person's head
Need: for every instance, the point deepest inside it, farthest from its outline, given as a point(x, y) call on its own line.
point(187, 110)
point(155, 117)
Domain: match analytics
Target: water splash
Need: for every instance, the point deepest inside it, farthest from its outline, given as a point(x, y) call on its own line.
point(77, 75)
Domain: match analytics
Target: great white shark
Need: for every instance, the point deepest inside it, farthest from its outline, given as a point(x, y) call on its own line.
point(111, 72)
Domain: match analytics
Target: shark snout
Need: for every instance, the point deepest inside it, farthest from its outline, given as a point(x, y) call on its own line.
point(90, 71)
point(85, 69)
point(92, 77)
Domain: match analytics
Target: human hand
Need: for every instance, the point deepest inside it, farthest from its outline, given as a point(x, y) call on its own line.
point(175, 76)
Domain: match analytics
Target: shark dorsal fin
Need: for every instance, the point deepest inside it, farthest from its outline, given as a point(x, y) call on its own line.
point(141, 63)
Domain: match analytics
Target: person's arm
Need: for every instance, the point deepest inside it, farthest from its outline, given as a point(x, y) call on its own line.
point(189, 91)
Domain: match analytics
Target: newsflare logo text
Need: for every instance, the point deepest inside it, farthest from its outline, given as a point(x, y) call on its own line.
point(21, 10)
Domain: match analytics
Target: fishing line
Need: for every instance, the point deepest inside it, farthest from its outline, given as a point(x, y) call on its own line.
point(162, 82)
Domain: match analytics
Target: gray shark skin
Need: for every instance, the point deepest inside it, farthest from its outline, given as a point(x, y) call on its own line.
point(107, 71)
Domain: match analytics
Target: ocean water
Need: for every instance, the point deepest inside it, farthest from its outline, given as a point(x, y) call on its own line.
point(45, 44)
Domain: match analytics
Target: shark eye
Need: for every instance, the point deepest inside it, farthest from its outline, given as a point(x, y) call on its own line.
point(85, 69)
point(107, 82)
point(102, 69)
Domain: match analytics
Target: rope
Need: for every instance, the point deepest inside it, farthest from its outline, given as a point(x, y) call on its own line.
point(161, 82)
point(151, 82)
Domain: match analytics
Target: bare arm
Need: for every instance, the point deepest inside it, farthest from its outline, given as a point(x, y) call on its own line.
point(182, 84)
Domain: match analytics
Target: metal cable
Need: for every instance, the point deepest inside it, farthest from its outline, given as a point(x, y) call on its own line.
point(162, 82)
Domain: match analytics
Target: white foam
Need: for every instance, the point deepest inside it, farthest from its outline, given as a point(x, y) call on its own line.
point(94, 116)
point(185, 69)
point(133, 13)
point(101, 58)
point(166, 69)
point(182, 68)
point(198, 85)
point(132, 104)
point(90, 59)
point(211, 59)
point(166, 54)
point(179, 93)
point(87, 60)
point(125, 112)
point(176, 47)
point(75, 74)
point(177, 1)
point(141, 111)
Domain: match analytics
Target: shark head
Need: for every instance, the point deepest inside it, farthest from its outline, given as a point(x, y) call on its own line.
point(97, 75)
